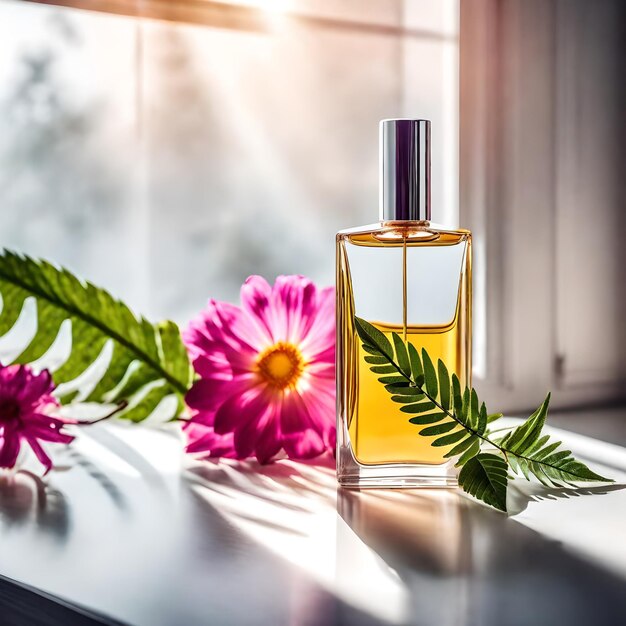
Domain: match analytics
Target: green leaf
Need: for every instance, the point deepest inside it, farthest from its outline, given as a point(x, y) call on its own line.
point(384, 369)
point(404, 390)
point(371, 336)
point(406, 399)
point(155, 352)
point(421, 407)
point(465, 409)
point(530, 452)
point(456, 396)
point(429, 418)
point(485, 477)
point(444, 384)
point(371, 350)
point(439, 429)
point(455, 417)
point(391, 380)
point(417, 370)
point(447, 440)
point(462, 446)
point(377, 360)
point(430, 375)
point(474, 412)
point(545, 451)
point(482, 419)
point(471, 452)
point(527, 434)
point(402, 356)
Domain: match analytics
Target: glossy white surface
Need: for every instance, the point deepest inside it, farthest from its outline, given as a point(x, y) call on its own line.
point(129, 527)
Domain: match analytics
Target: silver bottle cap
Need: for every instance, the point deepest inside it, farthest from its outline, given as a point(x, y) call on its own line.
point(404, 170)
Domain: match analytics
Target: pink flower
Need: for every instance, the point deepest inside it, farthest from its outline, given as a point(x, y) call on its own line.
point(267, 372)
point(25, 402)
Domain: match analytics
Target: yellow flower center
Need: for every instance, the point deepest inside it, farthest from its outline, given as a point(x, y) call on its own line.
point(281, 365)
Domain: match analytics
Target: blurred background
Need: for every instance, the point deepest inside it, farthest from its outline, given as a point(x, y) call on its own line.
point(168, 149)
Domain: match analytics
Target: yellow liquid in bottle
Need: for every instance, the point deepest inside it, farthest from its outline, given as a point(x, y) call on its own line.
point(380, 433)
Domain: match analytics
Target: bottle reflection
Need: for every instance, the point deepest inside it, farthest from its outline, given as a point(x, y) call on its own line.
point(27, 503)
point(421, 538)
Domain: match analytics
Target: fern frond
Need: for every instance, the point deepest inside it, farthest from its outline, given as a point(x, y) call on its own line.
point(148, 362)
point(484, 476)
point(427, 392)
point(454, 417)
point(531, 453)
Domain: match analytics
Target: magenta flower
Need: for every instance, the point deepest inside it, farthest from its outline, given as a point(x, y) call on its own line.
point(25, 402)
point(267, 372)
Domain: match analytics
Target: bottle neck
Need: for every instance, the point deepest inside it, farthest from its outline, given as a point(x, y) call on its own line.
point(406, 224)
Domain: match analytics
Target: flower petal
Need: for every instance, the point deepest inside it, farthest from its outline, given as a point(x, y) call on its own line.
point(269, 440)
point(40, 453)
point(322, 410)
point(320, 338)
point(221, 340)
point(46, 428)
point(294, 304)
point(210, 393)
point(321, 369)
point(38, 389)
point(256, 296)
point(9, 447)
point(239, 409)
point(306, 445)
point(204, 441)
point(301, 439)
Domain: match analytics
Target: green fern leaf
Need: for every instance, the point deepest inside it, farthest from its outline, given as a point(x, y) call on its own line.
point(448, 440)
point(432, 386)
point(148, 362)
point(456, 417)
point(463, 445)
point(530, 452)
point(470, 453)
point(444, 384)
point(485, 477)
point(420, 407)
point(402, 356)
point(405, 399)
point(439, 429)
point(373, 338)
point(429, 418)
point(482, 419)
point(377, 360)
point(391, 380)
point(417, 370)
point(524, 436)
point(404, 390)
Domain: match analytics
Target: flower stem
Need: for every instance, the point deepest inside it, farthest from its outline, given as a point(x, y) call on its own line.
point(120, 407)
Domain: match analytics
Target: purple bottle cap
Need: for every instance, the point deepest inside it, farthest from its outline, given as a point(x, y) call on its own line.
point(404, 170)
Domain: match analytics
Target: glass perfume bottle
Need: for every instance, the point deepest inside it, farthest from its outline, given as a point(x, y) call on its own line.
point(409, 276)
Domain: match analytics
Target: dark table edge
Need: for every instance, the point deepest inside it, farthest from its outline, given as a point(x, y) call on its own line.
point(24, 605)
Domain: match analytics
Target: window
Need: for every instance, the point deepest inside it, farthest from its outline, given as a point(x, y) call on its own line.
point(167, 159)
point(541, 150)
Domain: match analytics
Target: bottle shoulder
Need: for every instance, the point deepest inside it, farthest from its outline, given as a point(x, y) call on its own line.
point(395, 233)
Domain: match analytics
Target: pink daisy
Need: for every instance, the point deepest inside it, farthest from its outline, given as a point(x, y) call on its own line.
point(25, 403)
point(267, 372)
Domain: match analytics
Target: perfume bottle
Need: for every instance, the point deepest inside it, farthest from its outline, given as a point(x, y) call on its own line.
point(409, 276)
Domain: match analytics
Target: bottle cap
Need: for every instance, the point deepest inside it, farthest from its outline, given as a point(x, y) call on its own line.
point(404, 170)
